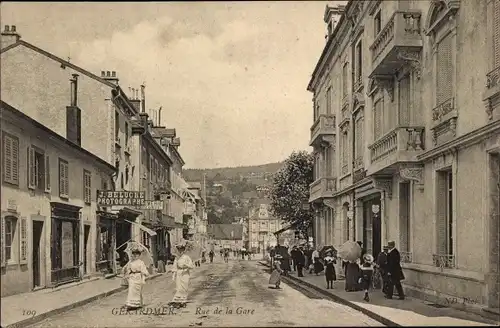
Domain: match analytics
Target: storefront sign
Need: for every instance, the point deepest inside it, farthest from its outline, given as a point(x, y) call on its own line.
point(121, 198)
point(152, 205)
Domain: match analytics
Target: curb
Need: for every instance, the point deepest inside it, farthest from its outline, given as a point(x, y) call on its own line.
point(43, 316)
point(338, 299)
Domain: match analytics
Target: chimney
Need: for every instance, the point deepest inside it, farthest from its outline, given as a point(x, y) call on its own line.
point(143, 96)
point(159, 116)
point(74, 90)
point(110, 76)
point(9, 36)
point(135, 101)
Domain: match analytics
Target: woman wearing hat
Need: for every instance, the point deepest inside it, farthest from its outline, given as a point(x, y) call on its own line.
point(135, 273)
point(182, 271)
point(275, 278)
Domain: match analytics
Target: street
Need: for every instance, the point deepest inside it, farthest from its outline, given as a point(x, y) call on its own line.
point(221, 294)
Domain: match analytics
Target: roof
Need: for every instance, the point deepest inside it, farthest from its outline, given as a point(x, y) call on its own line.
point(9, 109)
point(225, 231)
point(58, 59)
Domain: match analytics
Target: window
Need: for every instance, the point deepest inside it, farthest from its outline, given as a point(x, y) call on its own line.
point(117, 126)
point(87, 187)
point(317, 163)
point(63, 179)
point(377, 119)
point(345, 152)
point(404, 217)
point(359, 149)
point(404, 101)
point(378, 23)
point(329, 101)
point(496, 34)
point(344, 80)
point(444, 87)
point(10, 225)
point(126, 134)
point(445, 220)
point(38, 170)
point(10, 159)
point(316, 112)
point(359, 62)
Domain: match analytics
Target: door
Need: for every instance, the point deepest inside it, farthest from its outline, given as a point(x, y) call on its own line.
point(372, 226)
point(36, 256)
point(86, 250)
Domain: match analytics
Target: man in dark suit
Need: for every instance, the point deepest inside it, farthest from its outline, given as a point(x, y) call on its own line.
point(382, 267)
point(394, 271)
point(300, 261)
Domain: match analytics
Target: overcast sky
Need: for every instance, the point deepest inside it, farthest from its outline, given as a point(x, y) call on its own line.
point(231, 77)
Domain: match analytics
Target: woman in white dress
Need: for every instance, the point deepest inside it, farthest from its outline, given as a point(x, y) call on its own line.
point(135, 273)
point(181, 273)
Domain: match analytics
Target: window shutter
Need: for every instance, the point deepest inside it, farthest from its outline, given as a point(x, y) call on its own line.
point(31, 167)
point(404, 101)
point(47, 173)
point(66, 178)
point(61, 178)
point(15, 160)
point(2, 240)
point(8, 158)
point(377, 120)
point(441, 225)
point(23, 241)
point(444, 70)
point(496, 34)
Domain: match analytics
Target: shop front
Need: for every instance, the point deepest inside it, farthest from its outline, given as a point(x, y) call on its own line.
point(65, 242)
point(106, 242)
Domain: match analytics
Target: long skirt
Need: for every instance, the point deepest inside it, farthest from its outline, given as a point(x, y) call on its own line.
point(181, 287)
point(275, 277)
point(330, 273)
point(352, 277)
point(134, 297)
point(318, 266)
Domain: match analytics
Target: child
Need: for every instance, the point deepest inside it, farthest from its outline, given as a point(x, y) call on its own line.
point(366, 274)
point(330, 270)
point(275, 278)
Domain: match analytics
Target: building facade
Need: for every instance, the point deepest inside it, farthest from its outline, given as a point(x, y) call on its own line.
point(261, 227)
point(406, 140)
point(48, 220)
point(225, 236)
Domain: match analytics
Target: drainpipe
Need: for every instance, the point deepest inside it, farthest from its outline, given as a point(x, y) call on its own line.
point(353, 170)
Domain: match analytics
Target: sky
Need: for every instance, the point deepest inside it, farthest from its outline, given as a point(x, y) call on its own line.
point(230, 77)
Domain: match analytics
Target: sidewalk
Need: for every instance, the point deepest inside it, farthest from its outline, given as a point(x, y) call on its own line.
point(28, 308)
point(410, 312)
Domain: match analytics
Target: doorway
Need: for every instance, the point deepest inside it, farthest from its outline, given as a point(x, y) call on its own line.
point(86, 249)
point(494, 245)
point(372, 226)
point(36, 254)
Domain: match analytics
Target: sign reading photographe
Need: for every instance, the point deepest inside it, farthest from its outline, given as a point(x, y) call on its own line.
point(128, 198)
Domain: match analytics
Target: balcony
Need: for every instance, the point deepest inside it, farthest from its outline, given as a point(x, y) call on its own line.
point(402, 144)
point(399, 42)
point(492, 91)
point(322, 130)
point(322, 188)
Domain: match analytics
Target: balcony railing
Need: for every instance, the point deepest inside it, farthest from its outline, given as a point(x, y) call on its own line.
point(402, 32)
point(444, 260)
point(322, 188)
point(443, 109)
point(324, 125)
point(399, 139)
point(493, 78)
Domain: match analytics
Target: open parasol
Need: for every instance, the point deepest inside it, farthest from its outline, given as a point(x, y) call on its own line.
point(326, 249)
point(145, 254)
point(350, 251)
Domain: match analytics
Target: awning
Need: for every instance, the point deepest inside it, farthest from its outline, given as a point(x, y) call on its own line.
point(143, 228)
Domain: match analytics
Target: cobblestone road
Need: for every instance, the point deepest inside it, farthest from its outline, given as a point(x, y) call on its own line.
point(222, 294)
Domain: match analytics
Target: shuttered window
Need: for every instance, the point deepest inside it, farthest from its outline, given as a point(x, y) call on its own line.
point(404, 217)
point(444, 219)
point(47, 173)
point(329, 101)
point(359, 140)
point(3, 259)
point(377, 120)
point(23, 241)
point(87, 186)
point(496, 34)
point(404, 101)
point(344, 80)
point(10, 159)
point(63, 179)
point(345, 148)
point(444, 87)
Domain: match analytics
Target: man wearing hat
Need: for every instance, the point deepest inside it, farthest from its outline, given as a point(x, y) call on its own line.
point(394, 271)
point(382, 268)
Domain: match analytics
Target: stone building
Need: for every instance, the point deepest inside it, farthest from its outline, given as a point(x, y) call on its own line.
point(262, 226)
point(49, 210)
point(406, 138)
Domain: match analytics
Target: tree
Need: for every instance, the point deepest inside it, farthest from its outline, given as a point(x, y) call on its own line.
point(290, 191)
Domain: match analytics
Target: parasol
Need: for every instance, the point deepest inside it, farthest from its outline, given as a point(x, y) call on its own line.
point(350, 251)
point(193, 250)
point(145, 254)
point(325, 249)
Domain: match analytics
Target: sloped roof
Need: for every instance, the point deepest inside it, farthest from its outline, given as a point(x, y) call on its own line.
point(225, 231)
